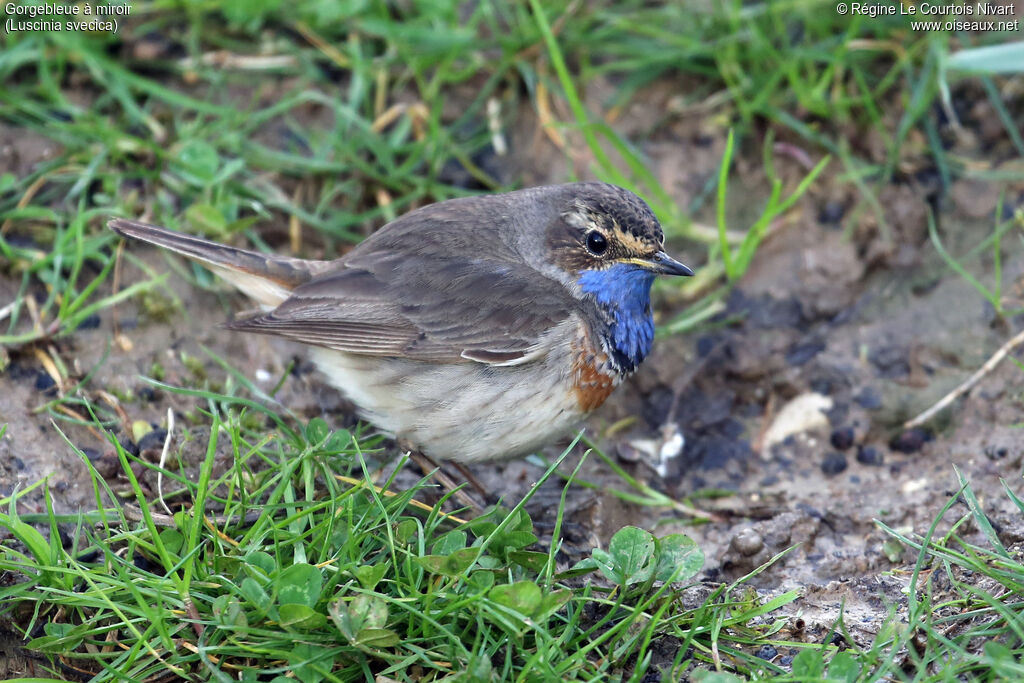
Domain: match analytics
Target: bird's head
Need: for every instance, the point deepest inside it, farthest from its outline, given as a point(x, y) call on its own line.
point(610, 246)
point(602, 228)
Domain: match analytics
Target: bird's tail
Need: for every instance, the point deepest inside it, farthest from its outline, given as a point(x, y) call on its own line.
point(267, 279)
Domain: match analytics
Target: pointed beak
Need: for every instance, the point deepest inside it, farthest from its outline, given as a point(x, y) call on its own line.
point(663, 264)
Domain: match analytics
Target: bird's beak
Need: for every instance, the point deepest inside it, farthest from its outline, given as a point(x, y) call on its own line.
point(662, 264)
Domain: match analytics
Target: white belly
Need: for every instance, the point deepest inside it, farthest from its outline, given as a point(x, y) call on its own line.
point(460, 411)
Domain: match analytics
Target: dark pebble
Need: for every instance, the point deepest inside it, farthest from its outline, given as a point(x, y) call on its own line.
point(45, 383)
point(890, 361)
point(832, 212)
point(994, 453)
point(89, 557)
point(799, 354)
point(153, 439)
point(18, 463)
point(869, 399)
point(842, 438)
point(107, 465)
point(834, 463)
point(786, 660)
point(909, 441)
point(869, 455)
point(93, 454)
point(821, 385)
point(128, 445)
point(652, 675)
point(657, 405)
point(767, 653)
point(810, 511)
point(148, 394)
point(706, 344)
point(90, 323)
point(145, 565)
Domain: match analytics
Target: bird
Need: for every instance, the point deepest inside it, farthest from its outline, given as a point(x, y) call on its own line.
point(475, 329)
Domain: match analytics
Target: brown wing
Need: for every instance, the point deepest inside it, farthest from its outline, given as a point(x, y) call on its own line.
point(404, 292)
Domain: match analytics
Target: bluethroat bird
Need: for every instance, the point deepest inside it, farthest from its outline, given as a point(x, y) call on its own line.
point(476, 328)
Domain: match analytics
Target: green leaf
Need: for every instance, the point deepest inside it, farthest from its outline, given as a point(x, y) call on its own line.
point(551, 603)
point(369, 575)
point(359, 614)
point(293, 615)
point(377, 637)
point(198, 159)
point(843, 667)
point(481, 580)
point(300, 584)
point(632, 550)
point(261, 561)
point(405, 531)
point(32, 539)
point(59, 638)
point(307, 661)
point(808, 664)
point(207, 219)
point(173, 540)
point(229, 612)
point(705, 676)
point(449, 565)
point(253, 592)
point(449, 543)
point(679, 558)
point(338, 441)
point(523, 596)
point(529, 559)
point(317, 431)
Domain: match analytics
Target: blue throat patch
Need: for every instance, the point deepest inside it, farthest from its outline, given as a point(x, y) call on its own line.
point(624, 292)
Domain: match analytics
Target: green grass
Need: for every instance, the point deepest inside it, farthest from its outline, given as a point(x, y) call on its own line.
point(334, 579)
point(305, 125)
point(282, 564)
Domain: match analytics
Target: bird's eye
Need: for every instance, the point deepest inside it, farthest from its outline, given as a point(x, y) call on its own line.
point(596, 242)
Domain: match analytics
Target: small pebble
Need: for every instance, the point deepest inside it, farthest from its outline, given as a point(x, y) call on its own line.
point(90, 323)
point(834, 463)
point(747, 542)
point(128, 445)
point(842, 438)
point(800, 354)
point(153, 439)
point(767, 653)
point(106, 464)
point(45, 383)
point(909, 441)
point(832, 212)
point(869, 399)
point(869, 455)
point(994, 453)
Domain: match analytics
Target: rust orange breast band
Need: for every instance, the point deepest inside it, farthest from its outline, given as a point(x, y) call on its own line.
point(592, 382)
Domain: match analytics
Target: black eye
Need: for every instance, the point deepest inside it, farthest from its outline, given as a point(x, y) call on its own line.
point(596, 242)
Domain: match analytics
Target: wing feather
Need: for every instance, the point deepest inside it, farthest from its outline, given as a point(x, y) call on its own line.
point(411, 292)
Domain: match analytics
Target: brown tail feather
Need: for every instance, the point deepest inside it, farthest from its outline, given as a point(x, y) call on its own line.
point(266, 278)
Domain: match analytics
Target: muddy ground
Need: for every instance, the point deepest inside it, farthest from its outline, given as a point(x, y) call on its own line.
point(846, 299)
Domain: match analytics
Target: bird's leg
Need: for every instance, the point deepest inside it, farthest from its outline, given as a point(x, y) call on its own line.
point(472, 480)
point(428, 466)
